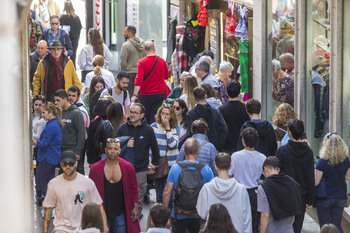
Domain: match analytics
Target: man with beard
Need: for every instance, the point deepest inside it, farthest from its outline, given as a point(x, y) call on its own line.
point(68, 193)
point(132, 51)
point(115, 179)
point(119, 92)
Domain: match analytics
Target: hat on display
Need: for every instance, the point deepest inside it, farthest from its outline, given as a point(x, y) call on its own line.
point(56, 44)
point(68, 156)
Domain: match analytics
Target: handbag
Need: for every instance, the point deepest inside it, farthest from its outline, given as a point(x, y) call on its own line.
point(162, 169)
point(342, 181)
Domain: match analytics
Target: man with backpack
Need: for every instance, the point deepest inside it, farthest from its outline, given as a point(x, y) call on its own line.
point(186, 180)
point(119, 92)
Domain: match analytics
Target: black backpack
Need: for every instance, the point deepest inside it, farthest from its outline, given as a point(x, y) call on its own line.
point(96, 97)
point(189, 185)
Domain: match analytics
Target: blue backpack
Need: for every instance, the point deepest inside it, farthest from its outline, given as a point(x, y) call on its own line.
point(285, 138)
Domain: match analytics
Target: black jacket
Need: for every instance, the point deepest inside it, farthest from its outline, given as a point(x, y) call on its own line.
point(297, 161)
point(144, 140)
point(277, 188)
point(267, 139)
point(217, 126)
point(93, 152)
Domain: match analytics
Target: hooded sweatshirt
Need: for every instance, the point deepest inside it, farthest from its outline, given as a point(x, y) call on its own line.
point(267, 144)
point(73, 132)
point(144, 140)
point(297, 161)
point(232, 195)
point(132, 51)
point(217, 126)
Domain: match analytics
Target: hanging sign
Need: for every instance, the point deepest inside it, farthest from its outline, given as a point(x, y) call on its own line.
point(214, 40)
point(133, 14)
point(97, 12)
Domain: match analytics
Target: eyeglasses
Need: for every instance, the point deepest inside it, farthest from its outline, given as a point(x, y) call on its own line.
point(54, 23)
point(134, 113)
point(65, 164)
point(112, 140)
point(330, 134)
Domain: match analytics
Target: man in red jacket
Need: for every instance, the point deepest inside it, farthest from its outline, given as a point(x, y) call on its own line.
point(152, 71)
point(116, 183)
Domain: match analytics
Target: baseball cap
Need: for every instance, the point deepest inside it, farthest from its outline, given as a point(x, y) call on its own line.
point(69, 156)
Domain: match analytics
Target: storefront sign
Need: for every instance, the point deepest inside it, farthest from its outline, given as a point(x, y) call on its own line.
point(133, 14)
point(97, 14)
point(214, 40)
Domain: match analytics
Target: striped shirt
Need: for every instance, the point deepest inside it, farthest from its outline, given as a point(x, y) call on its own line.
point(167, 142)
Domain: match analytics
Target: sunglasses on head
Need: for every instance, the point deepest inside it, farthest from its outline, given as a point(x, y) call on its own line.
point(330, 134)
point(167, 105)
point(65, 164)
point(112, 140)
point(40, 97)
point(54, 23)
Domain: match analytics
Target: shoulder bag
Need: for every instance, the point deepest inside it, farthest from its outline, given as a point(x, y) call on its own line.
point(342, 181)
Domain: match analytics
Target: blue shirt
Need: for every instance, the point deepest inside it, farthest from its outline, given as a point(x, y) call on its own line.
point(334, 187)
point(211, 80)
point(174, 175)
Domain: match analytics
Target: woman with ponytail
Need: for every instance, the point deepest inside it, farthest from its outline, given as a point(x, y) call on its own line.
point(99, 71)
point(95, 46)
point(49, 145)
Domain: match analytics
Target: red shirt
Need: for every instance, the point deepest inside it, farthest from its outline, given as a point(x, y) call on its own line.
point(154, 84)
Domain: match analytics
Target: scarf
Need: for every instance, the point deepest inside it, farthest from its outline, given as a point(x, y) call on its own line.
point(56, 75)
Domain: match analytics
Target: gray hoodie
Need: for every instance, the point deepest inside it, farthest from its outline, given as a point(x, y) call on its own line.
point(132, 51)
point(233, 196)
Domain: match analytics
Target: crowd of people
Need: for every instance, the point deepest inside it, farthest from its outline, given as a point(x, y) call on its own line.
point(215, 164)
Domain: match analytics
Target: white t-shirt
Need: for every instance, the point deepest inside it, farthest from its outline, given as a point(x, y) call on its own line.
point(119, 98)
point(107, 76)
point(69, 199)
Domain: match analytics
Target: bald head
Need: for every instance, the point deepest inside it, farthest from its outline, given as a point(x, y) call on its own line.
point(149, 47)
point(42, 48)
point(191, 147)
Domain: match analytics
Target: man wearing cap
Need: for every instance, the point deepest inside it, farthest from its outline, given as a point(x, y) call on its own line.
point(115, 179)
point(68, 193)
point(55, 71)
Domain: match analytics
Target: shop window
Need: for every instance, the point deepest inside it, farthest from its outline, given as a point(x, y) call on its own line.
point(280, 79)
point(318, 61)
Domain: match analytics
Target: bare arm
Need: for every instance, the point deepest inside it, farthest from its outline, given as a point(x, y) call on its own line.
point(127, 111)
point(47, 218)
point(347, 175)
point(264, 221)
point(104, 218)
point(136, 93)
point(167, 192)
point(318, 176)
point(87, 90)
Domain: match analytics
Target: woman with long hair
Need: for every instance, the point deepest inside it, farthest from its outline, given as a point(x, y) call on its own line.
point(38, 121)
point(91, 219)
point(187, 96)
point(334, 167)
point(283, 113)
point(95, 46)
point(181, 110)
point(100, 110)
point(49, 145)
point(71, 23)
point(219, 220)
point(108, 127)
point(97, 83)
point(167, 132)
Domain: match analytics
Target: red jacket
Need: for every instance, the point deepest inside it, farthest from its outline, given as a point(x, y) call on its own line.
point(154, 84)
point(130, 188)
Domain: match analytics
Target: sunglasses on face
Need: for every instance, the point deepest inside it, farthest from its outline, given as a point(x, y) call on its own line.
point(177, 108)
point(65, 164)
point(112, 140)
point(54, 24)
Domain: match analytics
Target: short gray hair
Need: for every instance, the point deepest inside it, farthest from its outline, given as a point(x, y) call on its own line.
point(276, 63)
point(225, 66)
point(203, 65)
point(206, 58)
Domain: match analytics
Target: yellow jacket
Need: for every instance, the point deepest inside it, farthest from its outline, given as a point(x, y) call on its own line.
point(40, 76)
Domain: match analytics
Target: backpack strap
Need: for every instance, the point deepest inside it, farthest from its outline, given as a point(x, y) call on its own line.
point(199, 166)
point(110, 91)
point(203, 145)
point(149, 73)
point(125, 95)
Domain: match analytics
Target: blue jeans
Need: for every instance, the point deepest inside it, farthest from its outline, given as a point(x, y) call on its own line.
point(44, 174)
point(331, 211)
point(118, 224)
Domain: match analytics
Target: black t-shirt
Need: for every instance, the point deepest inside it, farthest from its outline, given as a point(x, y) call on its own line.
point(74, 23)
point(114, 198)
point(235, 115)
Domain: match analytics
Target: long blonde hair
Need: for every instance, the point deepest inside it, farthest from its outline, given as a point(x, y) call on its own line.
point(334, 149)
point(69, 9)
point(190, 84)
point(283, 113)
